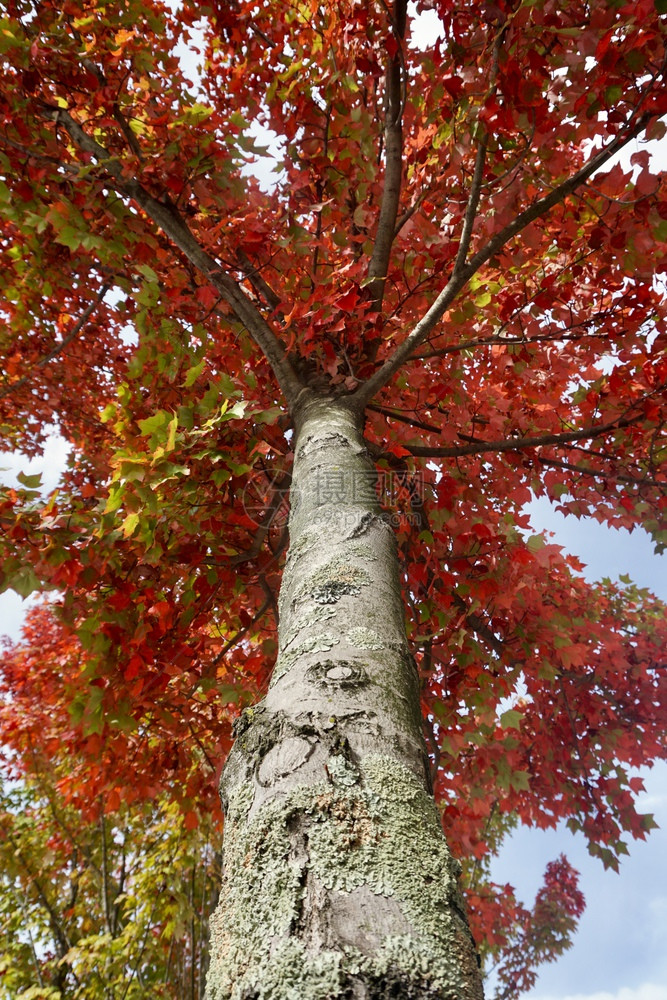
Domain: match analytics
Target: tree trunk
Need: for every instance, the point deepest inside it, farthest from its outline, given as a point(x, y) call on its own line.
point(337, 879)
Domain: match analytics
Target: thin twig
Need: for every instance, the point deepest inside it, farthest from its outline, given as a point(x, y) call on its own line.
point(459, 278)
point(397, 415)
point(242, 632)
point(586, 470)
point(166, 216)
point(65, 342)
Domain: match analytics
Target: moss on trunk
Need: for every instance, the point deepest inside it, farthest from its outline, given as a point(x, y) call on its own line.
point(337, 878)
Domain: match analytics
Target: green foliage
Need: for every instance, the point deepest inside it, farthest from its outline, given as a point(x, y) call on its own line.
point(114, 904)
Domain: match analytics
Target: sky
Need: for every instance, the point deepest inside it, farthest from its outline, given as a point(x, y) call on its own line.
point(620, 949)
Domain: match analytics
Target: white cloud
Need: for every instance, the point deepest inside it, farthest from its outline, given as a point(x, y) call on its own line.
point(51, 463)
point(647, 991)
point(12, 614)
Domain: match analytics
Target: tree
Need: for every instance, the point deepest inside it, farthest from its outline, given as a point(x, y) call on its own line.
point(103, 896)
point(113, 907)
point(450, 284)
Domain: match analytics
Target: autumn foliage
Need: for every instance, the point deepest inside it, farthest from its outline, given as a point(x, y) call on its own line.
point(462, 229)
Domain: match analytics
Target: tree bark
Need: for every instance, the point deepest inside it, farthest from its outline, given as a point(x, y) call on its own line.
point(337, 880)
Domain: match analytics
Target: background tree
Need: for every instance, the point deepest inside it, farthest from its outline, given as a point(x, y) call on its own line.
point(454, 262)
point(106, 888)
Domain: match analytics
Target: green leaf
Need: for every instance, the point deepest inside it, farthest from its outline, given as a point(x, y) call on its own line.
point(647, 822)
point(193, 373)
point(130, 523)
point(511, 719)
point(199, 112)
point(115, 499)
point(660, 229)
point(108, 413)
point(154, 424)
point(41, 993)
point(24, 581)
point(147, 272)
point(31, 482)
point(520, 781)
point(237, 410)
point(70, 237)
point(171, 433)
point(122, 718)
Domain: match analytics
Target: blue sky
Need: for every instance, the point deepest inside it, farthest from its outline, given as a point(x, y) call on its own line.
point(620, 950)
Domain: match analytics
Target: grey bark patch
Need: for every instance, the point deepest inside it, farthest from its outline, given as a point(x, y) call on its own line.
point(245, 720)
point(332, 592)
point(283, 759)
point(365, 638)
point(302, 545)
point(359, 923)
point(362, 550)
point(317, 644)
point(337, 575)
point(314, 442)
point(239, 803)
point(320, 614)
point(365, 524)
point(338, 674)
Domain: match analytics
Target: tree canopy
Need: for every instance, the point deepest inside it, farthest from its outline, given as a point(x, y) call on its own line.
point(463, 239)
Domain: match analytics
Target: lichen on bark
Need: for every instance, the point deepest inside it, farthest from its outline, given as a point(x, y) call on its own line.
point(337, 882)
point(375, 829)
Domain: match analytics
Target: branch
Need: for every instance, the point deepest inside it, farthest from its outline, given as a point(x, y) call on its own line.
point(31, 940)
point(397, 415)
point(477, 624)
point(484, 631)
point(409, 212)
point(461, 274)
point(473, 203)
point(518, 444)
point(105, 871)
point(234, 641)
point(63, 942)
point(254, 276)
point(319, 188)
point(40, 157)
point(393, 139)
point(280, 489)
point(165, 215)
point(76, 329)
point(470, 213)
point(561, 334)
point(586, 470)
